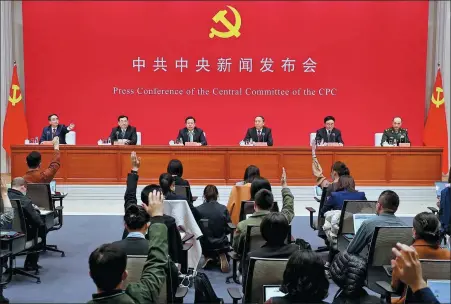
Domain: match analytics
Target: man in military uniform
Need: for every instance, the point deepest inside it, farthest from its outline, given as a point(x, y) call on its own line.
point(395, 133)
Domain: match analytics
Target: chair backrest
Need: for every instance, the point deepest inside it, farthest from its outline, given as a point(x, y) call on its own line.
point(435, 269)
point(253, 240)
point(320, 219)
point(18, 225)
point(182, 191)
point(384, 239)
point(135, 266)
point(138, 138)
point(247, 207)
point(71, 138)
point(262, 272)
point(312, 137)
point(377, 139)
point(40, 195)
point(243, 193)
point(350, 208)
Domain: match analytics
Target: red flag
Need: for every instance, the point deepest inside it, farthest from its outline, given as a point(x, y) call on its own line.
point(15, 128)
point(435, 130)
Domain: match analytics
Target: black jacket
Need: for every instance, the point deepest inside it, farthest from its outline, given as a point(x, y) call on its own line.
point(198, 136)
point(266, 135)
point(175, 246)
point(32, 216)
point(215, 235)
point(335, 136)
point(133, 245)
point(61, 131)
point(130, 134)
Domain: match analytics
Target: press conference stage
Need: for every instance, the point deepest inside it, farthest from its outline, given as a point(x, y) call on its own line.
point(224, 165)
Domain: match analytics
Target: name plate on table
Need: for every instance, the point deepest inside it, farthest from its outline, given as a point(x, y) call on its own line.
point(334, 144)
point(192, 144)
point(261, 144)
point(404, 144)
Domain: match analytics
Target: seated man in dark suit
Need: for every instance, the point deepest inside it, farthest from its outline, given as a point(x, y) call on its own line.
point(274, 229)
point(329, 134)
point(137, 222)
point(33, 219)
point(175, 246)
point(345, 190)
point(175, 168)
point(191, 133)
point(124, 133)
point(445, 209)
point(55, 130)
point(259, 133)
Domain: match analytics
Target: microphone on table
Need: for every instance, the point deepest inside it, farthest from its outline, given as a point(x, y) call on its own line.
point(117, 135)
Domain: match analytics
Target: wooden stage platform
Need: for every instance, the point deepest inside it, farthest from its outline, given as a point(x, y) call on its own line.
point(224, 165)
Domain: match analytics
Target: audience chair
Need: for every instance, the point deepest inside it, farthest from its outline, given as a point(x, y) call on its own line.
point(346, 224)
point(247, 208)
point(253, 241)
point(52, 216)
point(186, 246)
point(135, 266)
point(318, 224)
point(262, 271)
point(182, 191)
point(71, 138)
point(21, 246)
point(243, 193)
point(432, 270)
point(380, 254)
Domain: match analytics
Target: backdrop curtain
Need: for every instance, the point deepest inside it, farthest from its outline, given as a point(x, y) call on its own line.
point(11, 48)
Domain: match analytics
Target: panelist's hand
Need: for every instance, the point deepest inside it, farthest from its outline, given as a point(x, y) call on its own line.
point(56, 143)
point(136, 161)
point(71, 126)
point(155, 207)
point(283, 179)
point(126, 141)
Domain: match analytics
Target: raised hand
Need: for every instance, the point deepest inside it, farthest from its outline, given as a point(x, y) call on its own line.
point(155, 207)
point(56, 143)
point(283, 179)
point(407, 267)
point(136, 161)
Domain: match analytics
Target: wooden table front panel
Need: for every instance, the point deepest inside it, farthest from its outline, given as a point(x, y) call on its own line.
point(226, 165)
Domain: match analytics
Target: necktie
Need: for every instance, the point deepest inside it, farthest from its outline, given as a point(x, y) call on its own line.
point(328, 135)
point(259, 136)
point(191, 136)
point(123, 134)
point(53, 133)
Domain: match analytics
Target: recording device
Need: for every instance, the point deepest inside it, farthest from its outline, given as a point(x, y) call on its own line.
point(117, 134)
point(263, 136)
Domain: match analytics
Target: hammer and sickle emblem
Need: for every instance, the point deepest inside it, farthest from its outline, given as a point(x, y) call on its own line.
point(438, 102)
point(234, 30)
point(15, 99)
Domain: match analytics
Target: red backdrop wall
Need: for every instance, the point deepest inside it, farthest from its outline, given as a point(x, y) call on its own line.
point(372, 53)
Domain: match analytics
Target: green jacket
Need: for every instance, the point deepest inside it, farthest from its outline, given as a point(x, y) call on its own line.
point(390, 135)
point(257, 217)
point(153, 275)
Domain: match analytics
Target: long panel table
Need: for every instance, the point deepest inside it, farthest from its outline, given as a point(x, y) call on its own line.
point(224, 165)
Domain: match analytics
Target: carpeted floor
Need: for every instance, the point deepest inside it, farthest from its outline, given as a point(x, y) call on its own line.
point(66, 280)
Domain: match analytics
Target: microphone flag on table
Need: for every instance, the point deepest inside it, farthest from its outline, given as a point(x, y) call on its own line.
point(435, 130)
point(15, 128)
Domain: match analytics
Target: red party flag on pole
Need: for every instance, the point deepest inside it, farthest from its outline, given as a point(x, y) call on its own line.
point(15, 128)
point(435, 130)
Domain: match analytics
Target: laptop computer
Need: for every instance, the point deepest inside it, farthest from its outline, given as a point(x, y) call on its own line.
point(441, 290)
point(439, 186)
point(359, 218)
point(53, 187)
point(270, 291)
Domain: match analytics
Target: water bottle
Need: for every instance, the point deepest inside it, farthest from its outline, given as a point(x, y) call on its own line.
point(109, 141)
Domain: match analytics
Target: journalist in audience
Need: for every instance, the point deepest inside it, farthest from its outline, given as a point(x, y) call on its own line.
point(236, 197)
point(386, 207)
point(264, 200)
point(345, 190)
point(107, 265)
point(137, 222)
point(167, 185)
point(6, 218)
point(33, 219)
point(407, 266)
point(175, 168)
point(304, 280)
point(348, 271)
point(175, 241)
point(426, 233)
point(257, 184)
point(34, 174)
point(275, 230)
point(444, 212)
point(215, 243)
